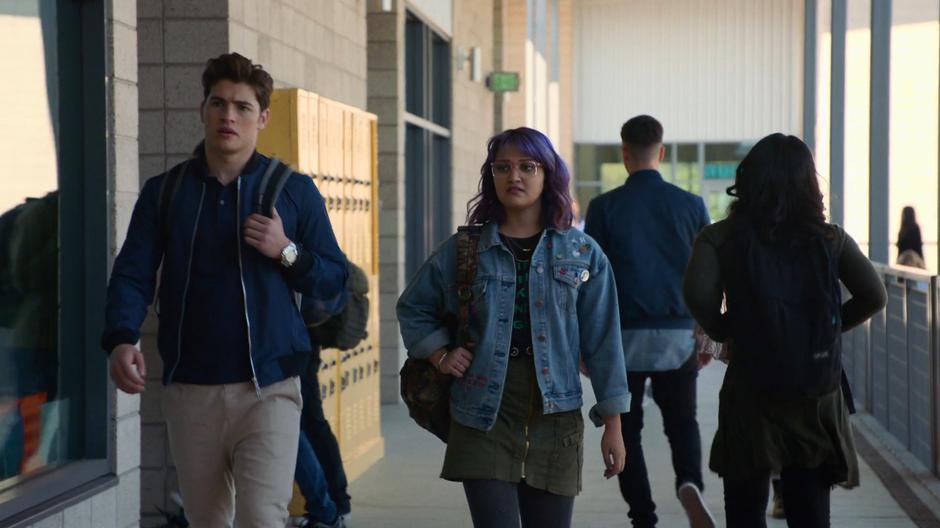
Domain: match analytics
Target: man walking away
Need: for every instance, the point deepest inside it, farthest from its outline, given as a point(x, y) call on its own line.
point(647, 227)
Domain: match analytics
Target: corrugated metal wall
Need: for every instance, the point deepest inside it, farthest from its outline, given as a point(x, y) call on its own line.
point(710, 70)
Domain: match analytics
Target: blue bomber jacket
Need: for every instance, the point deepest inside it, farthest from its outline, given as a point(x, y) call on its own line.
point(574, 314)
point(278, 342)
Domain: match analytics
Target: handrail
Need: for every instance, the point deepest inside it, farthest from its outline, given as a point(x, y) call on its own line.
point(893, 362)
point(905, 272)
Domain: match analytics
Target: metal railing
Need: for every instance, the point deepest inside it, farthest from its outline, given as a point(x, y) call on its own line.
point(892, 363)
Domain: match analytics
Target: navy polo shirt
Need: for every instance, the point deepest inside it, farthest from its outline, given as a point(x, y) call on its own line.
point(214, 344)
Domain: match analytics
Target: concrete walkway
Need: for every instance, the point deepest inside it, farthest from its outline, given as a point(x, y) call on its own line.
point(403, 490)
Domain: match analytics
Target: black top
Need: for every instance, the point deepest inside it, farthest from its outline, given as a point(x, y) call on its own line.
point(756, 435)
point(910, 239)
point(522, 249)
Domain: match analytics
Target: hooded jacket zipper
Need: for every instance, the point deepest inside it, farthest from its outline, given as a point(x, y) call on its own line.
point(241, 276)
point(189, 272)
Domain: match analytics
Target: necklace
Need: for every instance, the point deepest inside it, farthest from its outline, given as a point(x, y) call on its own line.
point(521, 253)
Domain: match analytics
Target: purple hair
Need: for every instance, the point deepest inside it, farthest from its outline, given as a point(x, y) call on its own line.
point(556, 199)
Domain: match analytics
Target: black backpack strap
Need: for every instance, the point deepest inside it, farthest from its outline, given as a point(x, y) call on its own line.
point(272, 183)
point(171, 184)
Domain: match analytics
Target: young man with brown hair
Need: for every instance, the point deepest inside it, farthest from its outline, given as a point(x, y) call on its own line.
point(231, 336)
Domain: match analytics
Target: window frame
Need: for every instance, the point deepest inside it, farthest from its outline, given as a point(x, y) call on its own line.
point(428, 145)
point(84, 241)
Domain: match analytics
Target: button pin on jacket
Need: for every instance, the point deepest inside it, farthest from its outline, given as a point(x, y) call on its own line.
point(585, 275)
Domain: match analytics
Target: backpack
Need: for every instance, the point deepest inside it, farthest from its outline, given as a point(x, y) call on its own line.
point(347, 326)
point(785, 310)
point(272, 183)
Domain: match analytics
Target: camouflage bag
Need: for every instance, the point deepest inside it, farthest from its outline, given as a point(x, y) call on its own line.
point(425, 390)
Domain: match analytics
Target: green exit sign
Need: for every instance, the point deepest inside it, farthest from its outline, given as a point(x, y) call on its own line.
point(503, 82)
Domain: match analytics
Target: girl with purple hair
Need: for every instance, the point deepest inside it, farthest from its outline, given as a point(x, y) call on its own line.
point(543, 298)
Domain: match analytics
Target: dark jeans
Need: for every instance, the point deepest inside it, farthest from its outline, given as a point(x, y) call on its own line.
point(805, 499)
point(312, 483)
point(674, 393)
point(313, 424)
point(499, 504)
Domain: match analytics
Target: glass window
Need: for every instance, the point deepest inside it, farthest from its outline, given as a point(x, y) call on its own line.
point(415, 59)
point(612, 176)
point(597, 169)
point(665, 167)
point(857, 120)
point(687, 172)
point(915, 73)
point(53, 407)
point(427, 141)
point(439, 80)
point(721, 163)
point(40, 414)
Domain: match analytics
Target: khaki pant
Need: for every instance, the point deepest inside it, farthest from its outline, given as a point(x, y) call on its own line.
point(235, 453)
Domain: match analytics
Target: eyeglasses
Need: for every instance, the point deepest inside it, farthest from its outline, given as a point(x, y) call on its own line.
point(504, 168)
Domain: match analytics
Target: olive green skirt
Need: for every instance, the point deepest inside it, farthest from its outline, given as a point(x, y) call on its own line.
point(544, 449)
point(756, 436)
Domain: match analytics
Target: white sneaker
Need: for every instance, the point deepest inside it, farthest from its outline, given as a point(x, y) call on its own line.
point(694, 504)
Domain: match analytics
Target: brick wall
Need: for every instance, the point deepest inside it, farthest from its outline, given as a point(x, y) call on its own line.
point(386, 98)
point(317, 45)
point(473, 26)
point(175, 37)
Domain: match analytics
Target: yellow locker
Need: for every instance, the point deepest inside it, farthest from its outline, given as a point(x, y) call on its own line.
point(337, 146)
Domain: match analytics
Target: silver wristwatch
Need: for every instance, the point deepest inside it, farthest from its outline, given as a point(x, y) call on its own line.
point(289, 255)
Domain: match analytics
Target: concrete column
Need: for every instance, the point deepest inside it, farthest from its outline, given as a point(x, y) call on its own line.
point(837, 115)
point(809, 73)
point(470, 128)
point(386, 99)
point(175, 38)
point(879, 141)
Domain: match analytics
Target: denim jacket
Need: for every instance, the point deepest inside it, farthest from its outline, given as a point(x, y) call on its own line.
point(574, 313)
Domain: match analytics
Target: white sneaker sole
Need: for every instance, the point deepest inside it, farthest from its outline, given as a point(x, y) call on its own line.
point(694, 504)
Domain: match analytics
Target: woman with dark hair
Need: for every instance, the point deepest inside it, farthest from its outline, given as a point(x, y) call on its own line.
point(910, 246)
point(543, 297)
point(778, 264)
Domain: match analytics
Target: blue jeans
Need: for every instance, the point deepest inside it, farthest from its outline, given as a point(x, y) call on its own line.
point(316, 428)
point(312, 483)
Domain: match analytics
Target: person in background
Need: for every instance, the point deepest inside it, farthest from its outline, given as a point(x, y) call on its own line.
point(910, 245)
point(320, 473)
point(777, 414)
point(647, 227)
